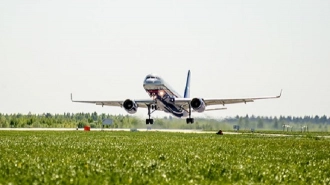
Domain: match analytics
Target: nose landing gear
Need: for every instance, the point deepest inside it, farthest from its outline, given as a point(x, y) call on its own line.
point(150, 121)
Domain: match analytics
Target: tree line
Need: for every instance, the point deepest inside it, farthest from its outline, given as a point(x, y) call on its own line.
point(94, 120)
point(319, 123)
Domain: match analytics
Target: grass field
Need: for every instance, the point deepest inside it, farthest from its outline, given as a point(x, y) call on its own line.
point(73, 157)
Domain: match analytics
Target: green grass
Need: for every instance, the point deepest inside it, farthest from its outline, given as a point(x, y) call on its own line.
point(298, 133)
point(52, 157)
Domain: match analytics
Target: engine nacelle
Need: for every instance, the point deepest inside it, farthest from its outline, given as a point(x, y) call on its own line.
point(198, 104)
point(130, 106)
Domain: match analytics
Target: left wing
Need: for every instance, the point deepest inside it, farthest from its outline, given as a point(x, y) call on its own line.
point(117, 103)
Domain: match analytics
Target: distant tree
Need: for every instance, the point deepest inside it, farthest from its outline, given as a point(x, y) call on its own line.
point(13, 123)
point(260, 123)
point(246, 122)
point(94, 116)
point(48, 115)
point(323, 119)
point(253, 118)
point(81, 124)
point(3, 121)
point(29, 121)
point(134, 122)
point(316, 119)
point(240, 122)
point(276, 124)
point(93, 125)
point(103, 116)
point(288, 119)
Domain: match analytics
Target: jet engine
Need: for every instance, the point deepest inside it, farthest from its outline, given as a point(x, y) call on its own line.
point(130, 106)
point(198, 104)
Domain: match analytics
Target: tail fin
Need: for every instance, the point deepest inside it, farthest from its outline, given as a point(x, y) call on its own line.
point(187, 89)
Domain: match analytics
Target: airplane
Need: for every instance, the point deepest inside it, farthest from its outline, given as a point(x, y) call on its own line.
point(164, 98)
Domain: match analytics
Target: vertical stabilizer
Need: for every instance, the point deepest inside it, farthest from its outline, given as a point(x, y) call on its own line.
point(187, 89)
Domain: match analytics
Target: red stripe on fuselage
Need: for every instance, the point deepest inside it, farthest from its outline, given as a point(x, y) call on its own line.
point(155, 91)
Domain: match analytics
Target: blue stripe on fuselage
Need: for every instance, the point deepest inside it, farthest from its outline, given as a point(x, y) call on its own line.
point(170, 107)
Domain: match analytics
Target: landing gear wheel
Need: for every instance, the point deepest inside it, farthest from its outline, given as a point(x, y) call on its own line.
point(149, 121)
point(190, 120)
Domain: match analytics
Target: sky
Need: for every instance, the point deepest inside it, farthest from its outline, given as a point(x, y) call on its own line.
point(103, 49)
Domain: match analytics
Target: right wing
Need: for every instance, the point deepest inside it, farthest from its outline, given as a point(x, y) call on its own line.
point(238, 100)
point(118, 103)
point(184, 102)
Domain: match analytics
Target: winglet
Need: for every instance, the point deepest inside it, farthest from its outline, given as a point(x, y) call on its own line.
point(280, 94)
point(71, 97)
point(187, 89)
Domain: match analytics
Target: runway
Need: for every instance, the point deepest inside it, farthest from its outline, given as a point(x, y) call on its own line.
point(116, 129)
point(106, 129)
point(149, 130)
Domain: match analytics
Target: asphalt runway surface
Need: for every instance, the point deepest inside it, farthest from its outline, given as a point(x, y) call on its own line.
point(116, 129)
point(145, 130)
point(106, 129)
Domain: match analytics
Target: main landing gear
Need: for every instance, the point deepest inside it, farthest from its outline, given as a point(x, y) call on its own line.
point(189, 119)
point(150, 121)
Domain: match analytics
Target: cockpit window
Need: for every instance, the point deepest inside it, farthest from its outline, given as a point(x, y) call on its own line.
point(152, 77)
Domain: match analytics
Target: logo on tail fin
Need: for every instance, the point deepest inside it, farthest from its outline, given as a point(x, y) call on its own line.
point(187, 89)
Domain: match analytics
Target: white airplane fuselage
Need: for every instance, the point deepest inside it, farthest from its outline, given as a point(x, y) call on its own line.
point(163, 95)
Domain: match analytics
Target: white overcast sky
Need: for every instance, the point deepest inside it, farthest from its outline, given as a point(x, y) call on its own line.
point(102, 50)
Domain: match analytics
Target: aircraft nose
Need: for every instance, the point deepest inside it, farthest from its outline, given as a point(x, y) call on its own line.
point(152, 83)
